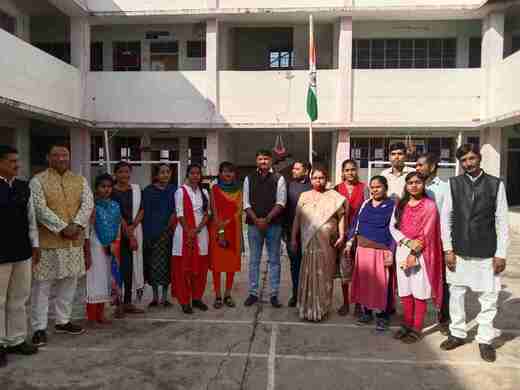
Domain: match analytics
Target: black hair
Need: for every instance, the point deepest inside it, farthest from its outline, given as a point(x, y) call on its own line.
point(5, 150)
point(431, 159)
point(205, 200)
point(380, 179)
point(467, 148)
point(264, 152)
point(103, 177)
point(349, 161)
point(227, 166)
point(306, 165)
point(122, 164)
point(397, 146)
point(58, 144)
point(406, 196)
point(157, 168)
point(321, 168)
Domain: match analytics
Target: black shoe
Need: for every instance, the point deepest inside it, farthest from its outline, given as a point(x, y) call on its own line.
point(275, 303)
point(251, 300)
point(452, 342)
point(444, 328)
point(3, 357)
point(23, 349)
point(39, 338)
point(187, 309)
point(292, 302)
point(69, 328)
point(198, 304)
point(487, 352)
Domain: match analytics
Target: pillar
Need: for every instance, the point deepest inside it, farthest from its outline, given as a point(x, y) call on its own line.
point(80, 43)
point(491, 150)
point(23, 27)
point(340, 151)
point(22, 143)
point(212, 59)
point(344, 90)
point(80, 152)
point(463, 51)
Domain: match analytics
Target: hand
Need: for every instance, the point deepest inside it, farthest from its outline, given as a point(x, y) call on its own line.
point(133, 244)
point(416, 245)
point(130, 230)
point(339, 242)
point(261, 224)
point(35, 257)
point(71, 232)
point(348, 249)
point(388, 257)
point(499, 265)
point(411, 261)
point(451, 260)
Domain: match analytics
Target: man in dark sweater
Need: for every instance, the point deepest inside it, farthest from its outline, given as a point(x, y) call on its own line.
point(18, 244)
point(475, 239)
point(299, 184)
point(265, 196)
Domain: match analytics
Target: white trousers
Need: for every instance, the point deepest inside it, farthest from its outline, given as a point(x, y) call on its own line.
point(488, 310)
point(15, 288)
point(41, 290)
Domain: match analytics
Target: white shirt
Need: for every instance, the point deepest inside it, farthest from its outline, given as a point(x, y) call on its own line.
point(197, 203)
point(281, 193)
point(31, 216)
point(501, 220)
point(396, 184)
point(438, 190)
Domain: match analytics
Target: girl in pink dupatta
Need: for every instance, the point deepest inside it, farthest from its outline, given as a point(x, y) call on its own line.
point(320, 221)
point(415, 227)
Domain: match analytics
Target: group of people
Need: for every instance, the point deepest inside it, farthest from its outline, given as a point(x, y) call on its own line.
point(405, 232)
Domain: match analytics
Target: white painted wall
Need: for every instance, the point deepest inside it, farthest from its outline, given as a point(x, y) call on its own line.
point(507, 86)
point(416, 29)
point(140, 5)
point(410, 95)
point(402, 3)
point(280, 3)
point(33, 77)
point(274, 97)
point(148, 96)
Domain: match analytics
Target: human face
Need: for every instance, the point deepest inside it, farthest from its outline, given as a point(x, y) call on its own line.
point(415, 187)
point(9, 166)
point(227, 176)
point(350, 173)
point(398, 158)
point(471, 163)
point(59, 159)
point(318, 180)
point(377, 190)
point(164, 175)
point(298, 171)
point(194, 176)
point(423, 167)
point(264, 163)
point(123, 175)
point(104, 189)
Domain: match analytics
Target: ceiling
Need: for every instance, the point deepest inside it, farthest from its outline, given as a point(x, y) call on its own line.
point(37, 8)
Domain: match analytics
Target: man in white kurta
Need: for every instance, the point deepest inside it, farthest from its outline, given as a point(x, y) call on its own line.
point(486, 242)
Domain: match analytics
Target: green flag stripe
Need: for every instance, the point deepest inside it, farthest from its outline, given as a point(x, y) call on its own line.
point(312, 104)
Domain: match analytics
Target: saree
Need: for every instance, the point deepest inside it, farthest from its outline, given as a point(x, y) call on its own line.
point(227, 206)
point(319, 225)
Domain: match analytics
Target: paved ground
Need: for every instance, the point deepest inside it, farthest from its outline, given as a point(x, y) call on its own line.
point(265, 348)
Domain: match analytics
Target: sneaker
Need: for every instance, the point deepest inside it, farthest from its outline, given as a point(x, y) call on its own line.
point(292, 302)
point(451, 343)
point(39, 338)
point(3, 357)
point(198, 304)
point(487, 353)
point(23, 349)
point(251, 300)
point(69, 328)
point(275, 303)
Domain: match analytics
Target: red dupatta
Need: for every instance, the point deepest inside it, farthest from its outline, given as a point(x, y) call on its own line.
point(355, 200)
point(191, 258)
point(422, 222)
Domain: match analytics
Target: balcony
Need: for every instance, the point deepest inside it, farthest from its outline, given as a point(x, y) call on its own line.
point(32, 77)
point(507, 76)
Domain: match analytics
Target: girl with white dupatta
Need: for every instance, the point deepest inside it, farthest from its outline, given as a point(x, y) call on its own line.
point(320, 220)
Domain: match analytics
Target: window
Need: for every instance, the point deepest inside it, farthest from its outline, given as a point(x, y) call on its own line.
point(164, 55)
point(196, 49)
point(197, 150)
point(475, 52)
point(516, 44)
point(127, 56)
point(96, 56)
point(404, 53)
point(164, 47)
point(60, 50)
point(127, 148)
point(7, 22)
point(281, 59)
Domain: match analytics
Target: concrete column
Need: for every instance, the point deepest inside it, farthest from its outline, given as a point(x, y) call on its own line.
point(335, 44)
point(23, 27)
point(80, 43)
point(344, 90)
point(491, 150)
point(213, 152)
point(341, 151)
point(492, 55)
point(212, 61)
point(463, 51)
point(22, 143)
point(80, 152)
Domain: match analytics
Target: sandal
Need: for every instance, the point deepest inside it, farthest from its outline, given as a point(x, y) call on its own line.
point(401, 333)
point(154, 303)
point(229, 302)
point(412, 337)
point(343, 310)
point(218, 303)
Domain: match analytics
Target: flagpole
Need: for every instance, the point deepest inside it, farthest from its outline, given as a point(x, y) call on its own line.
point(311, 64)
point(310, 142)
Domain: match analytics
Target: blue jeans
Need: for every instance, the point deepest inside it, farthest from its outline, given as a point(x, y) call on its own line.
point(273, 239)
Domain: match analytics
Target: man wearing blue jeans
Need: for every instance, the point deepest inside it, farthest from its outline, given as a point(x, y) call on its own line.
point(265, 196)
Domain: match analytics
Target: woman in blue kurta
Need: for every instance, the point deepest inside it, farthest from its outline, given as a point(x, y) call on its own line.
point(158, 223)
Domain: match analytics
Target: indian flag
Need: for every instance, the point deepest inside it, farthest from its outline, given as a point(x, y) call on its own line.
point(312, 96)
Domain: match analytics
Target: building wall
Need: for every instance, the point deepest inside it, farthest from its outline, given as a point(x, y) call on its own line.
point(407, 3)
point(508, 86)
point(416, 29)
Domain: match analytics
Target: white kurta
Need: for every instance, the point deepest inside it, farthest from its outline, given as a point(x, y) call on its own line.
point(196, 201)
point(99, 275)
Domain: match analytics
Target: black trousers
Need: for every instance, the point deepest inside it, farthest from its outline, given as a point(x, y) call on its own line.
point(127, 270)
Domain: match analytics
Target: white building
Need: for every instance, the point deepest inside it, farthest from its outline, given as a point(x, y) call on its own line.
point(213, 80)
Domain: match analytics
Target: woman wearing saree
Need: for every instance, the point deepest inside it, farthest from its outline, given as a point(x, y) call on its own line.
point(320, 221)
point(225, 232)
point(415, 227)
point(104, 234)
point(158, 223)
